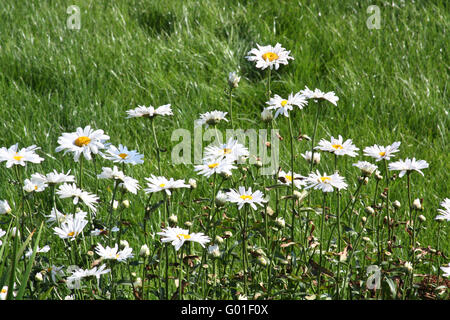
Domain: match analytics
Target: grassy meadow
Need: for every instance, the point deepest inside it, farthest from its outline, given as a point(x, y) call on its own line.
point(392, 85)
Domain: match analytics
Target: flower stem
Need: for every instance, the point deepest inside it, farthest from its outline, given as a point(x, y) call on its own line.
point(158, 158)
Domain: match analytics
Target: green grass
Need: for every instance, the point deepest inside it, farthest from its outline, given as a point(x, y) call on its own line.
point(392, 82)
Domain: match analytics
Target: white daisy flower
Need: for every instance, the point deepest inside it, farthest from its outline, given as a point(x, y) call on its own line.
point(308, 154)
point(84, 141)
point(211, 118)
point(114, 253)
point(325, 182)
point(123, 155)
point(54, 177)
point(243, 196)
point(338, 147)
point(156, 184)
point(286, 178)
point(4, 293)
point(13, 156)
point(282, 106)
point(127, 183)
point(408, 165)
point(34, 185)
point(55, 272)
point(445, 213)
point(79, 274)
point(38, 250)
point(150, 112)
point(71, 228)
point(218, 166)
point(319, 95)
point(233, 80)
point(266, 115)
point(232, 151)
point(97, 232)
point(72, 191)
point(177, 237)
point(4, 207)
point(379, 152)
point(446, 271)
point(366, 168)
point(268, 56)
point(2, 233)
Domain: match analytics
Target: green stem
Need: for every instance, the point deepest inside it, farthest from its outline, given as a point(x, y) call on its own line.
point(158, 158)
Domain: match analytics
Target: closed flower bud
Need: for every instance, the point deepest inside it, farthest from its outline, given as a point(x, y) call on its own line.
point(262, 260)
point(173, 219)
point(396, 204)
point(364, 219)
point(269, 211)
point(124, 244)
point(228, 234)
point(39, 277)
point(90, 253)
point(188, 224)
point(266, 115)
point(422, 218)
point(369, 210)
point(193, 183)
point(137, 283)
point(408, 266)
point(280, 222)
point(233, 80)
point(115, 204)
point(417, 204)
point(378, 175)
point(258, 163)
point(145, 251)
point(214, 251)
point(126, 203)
point(218, 239)
point(221, 199)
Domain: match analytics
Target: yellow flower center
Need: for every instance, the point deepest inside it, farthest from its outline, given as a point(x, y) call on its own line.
point(162, 185)
point(35, 187)
point(337, 146)
point(212, 165)
point(117, 256)
point(284, 102)
point(270, 56)
point(246, 197)
point(289, 178)
point(3, 291)
point(17, 157)
point(185, 236)
point(325, 179)
point(382, 154)
point(226, 150)
point(123, 155)
point(71, 234)
point(82, 141)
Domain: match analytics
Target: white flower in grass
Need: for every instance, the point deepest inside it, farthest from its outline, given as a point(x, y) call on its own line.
point(266, 115)
point(55, 272)
point(71, 228)
point(72, 191)
point(326, 183)
point(4, 207)
point(97, 232)
point(123, 155)
point(268, 56)
point(2, 233)
point(445, 213)
point(4, 293)
point(128, 183)
point(287, 178)
point(366, 168)
point(446, 271)
point(178, 236)
point(156, 184)
point(319, 95)
point(56, 216)
point(407, 165)
point(379, 152)
point(38, 250)
point(233, 80)
point(211, 118)
point(34, 185)
point(79, 274)
point(114, 253)
point(13, 156)
point(232, 151)
point(218, 166)
point(150, 112)
point(55, 177)
point(82, 142)
point(308, 154)
point(243, 196)
point(338, 146)
point(282, 106)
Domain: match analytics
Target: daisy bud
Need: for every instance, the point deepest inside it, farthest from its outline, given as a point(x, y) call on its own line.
point(233, 80)
point(378, 175)
point(364, 219)
point(90, 253)
point(280, 222)
point(422, 218)
point(369, 210)
point(137, 283)
point(219, 239)
point(145, 251)
point(188, 224)
point(367, 239)
point(15, 232)
point(300, 195)
point(365, 181)
point(39, 277)
point(126, 203)
point(408, 266)
point(221, 199)
point(417, 204)
point(269, 211)
point(258, 164)
point(214, 251)
point(124, 244)
point(115, 204)
point(266, 115)
point(396, 204)
point(173, 219)
point(193, 183)
point(228, 234)
point(262, 260)
point(4, 207)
